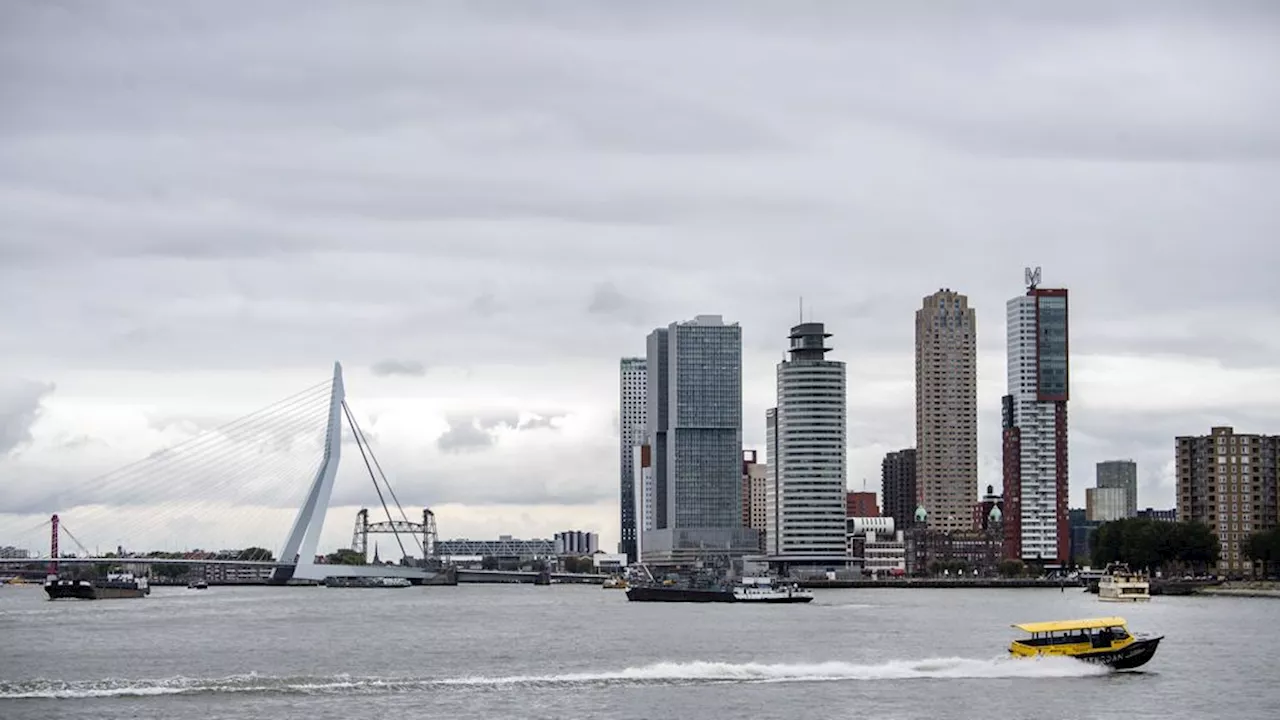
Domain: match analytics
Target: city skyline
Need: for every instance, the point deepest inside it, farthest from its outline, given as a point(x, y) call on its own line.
point(478, 219)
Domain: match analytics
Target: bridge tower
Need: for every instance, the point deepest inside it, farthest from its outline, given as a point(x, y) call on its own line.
point(300, 545)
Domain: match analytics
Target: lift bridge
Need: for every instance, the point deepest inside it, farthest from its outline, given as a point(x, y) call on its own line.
point(426, 530)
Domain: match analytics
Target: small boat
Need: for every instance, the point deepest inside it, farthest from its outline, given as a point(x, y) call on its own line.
point(197, 585)
point(763, 590)
point(615, 583)
point(1120, 584)
point(116, 585)
point(1105, 641)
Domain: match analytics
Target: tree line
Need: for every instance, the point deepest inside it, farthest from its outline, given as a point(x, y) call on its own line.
point(1264, 547)
point(1143, 543)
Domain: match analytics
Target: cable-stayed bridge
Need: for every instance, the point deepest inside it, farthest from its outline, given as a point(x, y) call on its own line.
point(248, 470)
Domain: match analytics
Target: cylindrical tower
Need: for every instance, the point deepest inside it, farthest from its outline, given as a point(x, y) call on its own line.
point(806, 490)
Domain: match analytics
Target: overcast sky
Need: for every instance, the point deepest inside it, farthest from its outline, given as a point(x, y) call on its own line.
point(479, 207)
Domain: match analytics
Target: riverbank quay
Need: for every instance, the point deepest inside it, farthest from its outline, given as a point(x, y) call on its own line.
point(1244, 588)
point(961, 583)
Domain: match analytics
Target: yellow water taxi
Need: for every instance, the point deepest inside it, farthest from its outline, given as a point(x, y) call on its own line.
point(1099, 640)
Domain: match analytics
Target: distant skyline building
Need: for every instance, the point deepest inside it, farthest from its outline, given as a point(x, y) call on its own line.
point(806, 432)
point(755, 476)
point(1034, 444)
point(947, 410)
point(1105, 504)
point(1120, 474)
point(861, 504)
point(1229, 482)
point(694, 424)
point(576, 542)
point(645, 493)
point(898, 486)
point(632, 382)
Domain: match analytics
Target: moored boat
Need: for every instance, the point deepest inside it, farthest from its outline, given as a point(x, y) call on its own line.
point(1121, 584)
point(197, 585)
point(615, 582)
point(366, 582)
point(1104, 641)
point(764, 590)
point(114, 586)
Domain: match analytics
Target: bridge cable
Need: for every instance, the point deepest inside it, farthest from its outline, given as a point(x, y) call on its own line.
point(83, 549)
point(374, 478)
point(359, 431)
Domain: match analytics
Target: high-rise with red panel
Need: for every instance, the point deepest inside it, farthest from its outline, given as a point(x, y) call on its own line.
point(1036, 524)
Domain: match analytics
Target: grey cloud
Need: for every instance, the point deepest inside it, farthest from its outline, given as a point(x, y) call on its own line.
point(607, 300)
point(385, 368)
point(464, 434)
point(577, 176)
point(20, 408)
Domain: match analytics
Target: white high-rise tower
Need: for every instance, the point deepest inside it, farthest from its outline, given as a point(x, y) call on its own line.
point(805, 493)
point(631, 419)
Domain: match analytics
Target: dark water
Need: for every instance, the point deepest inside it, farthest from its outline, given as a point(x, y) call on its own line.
point(575, 652)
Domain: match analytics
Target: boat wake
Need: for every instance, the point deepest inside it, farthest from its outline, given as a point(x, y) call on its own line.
point(663, 673)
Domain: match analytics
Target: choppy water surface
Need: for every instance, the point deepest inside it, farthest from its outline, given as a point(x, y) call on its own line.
point(571, 652)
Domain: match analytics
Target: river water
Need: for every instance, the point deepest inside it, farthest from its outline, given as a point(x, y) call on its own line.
point(519, 651)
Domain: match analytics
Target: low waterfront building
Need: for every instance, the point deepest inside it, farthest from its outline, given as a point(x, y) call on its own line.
point(505, 547)
point(879, 543)
point(1170, 515)
point(971, 552)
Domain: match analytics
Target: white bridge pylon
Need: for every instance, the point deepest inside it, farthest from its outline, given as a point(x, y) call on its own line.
point(304, 536)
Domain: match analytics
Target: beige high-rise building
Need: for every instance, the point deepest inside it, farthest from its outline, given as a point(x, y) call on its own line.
point(947, 410)
point(1229, 481)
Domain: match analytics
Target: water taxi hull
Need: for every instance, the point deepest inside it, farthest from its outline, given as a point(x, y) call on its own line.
point(1135, 654)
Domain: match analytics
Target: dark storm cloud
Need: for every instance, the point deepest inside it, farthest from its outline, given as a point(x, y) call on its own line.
point(20, 407)
point(412, 368)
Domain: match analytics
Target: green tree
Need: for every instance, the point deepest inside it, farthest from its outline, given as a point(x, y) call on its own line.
point(345, 556)
point(1011, 568)
point(261, 555)
point(1153, 545)
point(1263, 547)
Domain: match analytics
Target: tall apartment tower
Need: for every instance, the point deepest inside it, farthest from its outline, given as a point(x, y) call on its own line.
point(805, 493)
point(633, 378)
point(1121, 474)
point(1229, 482)
point(1036, 523)
point(755, 476)
point(898, 486)
point(946, 410)
point(694, 428)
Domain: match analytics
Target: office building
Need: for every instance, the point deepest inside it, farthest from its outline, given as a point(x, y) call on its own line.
point(633, 377)
point(805, 496)
point(645, 493)
point(694, 429)
point(1228, 481)
point(947, 410)
point(755, 476)
point(1105, 504)
point(898, 486)
point(861, 504)
point(1121, 474)
point(1036, 524)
